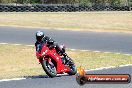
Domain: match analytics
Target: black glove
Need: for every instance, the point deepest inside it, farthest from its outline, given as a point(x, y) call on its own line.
point(50, 42)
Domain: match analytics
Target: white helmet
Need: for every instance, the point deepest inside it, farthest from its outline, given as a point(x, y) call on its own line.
point(39, 35)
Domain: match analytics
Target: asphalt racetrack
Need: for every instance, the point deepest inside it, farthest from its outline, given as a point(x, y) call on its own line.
point(109, 42)
point(67, 81)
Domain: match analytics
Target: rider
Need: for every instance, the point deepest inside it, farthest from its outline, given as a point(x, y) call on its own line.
point(41, 39)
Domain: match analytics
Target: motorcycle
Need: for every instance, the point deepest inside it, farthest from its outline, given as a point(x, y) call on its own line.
point(54, 62)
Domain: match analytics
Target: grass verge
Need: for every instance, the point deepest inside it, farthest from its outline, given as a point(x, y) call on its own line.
point(82, 21)
point(20, 61)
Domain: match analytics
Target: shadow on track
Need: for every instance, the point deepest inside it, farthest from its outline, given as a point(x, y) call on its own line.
point(42, 76)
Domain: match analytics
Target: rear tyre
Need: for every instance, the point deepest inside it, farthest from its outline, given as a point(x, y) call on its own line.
point(73, 69)
point(49, 68)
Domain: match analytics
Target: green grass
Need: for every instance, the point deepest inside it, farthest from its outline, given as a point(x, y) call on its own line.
point(82, 21)
point(20, 61)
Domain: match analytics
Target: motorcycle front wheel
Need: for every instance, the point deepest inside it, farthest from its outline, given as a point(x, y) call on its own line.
point(49, 68)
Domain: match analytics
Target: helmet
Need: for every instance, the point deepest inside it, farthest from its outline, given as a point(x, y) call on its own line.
point(39, 35)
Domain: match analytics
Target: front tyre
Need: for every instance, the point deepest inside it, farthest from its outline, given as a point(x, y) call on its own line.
point(49, 68)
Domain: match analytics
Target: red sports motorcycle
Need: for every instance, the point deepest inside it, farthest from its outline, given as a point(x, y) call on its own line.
point(54, 62)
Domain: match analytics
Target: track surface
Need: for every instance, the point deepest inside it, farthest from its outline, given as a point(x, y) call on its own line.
point(67, 81)
point(112, 42)
point(115, 42)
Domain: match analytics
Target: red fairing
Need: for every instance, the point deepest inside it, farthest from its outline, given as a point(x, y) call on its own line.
point(46, 52)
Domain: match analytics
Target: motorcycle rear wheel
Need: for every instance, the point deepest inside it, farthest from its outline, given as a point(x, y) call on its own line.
point(73, 69)
point(49, 69)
